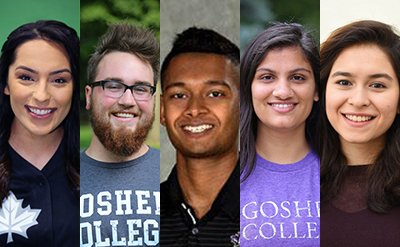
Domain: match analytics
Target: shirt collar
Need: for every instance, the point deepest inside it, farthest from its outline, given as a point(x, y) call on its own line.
point(228, 199)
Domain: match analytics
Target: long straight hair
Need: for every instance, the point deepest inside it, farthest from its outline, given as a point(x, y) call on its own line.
point(59, 33)
point(384, 175)
point(278, 35)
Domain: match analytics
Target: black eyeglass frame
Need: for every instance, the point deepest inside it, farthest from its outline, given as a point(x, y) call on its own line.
point(102, 82)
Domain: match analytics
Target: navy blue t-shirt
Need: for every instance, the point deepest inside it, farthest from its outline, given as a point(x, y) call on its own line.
point(42, 208)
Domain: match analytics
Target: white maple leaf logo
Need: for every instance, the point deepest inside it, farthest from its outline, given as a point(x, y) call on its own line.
point(15, 219)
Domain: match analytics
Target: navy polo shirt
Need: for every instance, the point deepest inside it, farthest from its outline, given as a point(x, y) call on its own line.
point(42, 208)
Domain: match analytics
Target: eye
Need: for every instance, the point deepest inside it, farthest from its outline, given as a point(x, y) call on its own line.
point(178, 96)
point(298, 78)
point(215, 94)
point(60, 80)
point(377, 85)
point(343, 83)
point(266, 77)
point(25, 78)
point(113, 86)
point(141, 89)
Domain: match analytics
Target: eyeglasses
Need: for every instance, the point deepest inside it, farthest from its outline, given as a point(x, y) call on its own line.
point(115, 89)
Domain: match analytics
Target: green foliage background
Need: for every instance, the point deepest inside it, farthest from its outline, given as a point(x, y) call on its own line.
point(256, 14)
point(17, 12)
point(96, 16)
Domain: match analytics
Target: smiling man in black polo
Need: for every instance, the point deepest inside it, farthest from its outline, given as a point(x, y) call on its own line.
point(200, 109)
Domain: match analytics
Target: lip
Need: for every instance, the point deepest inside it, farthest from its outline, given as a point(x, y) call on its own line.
point(358, 119)
point(40, 112)
point(283, 107)
point(124, 116)
point(197, 128)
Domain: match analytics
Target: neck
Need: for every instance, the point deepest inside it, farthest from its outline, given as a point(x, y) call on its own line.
point(29, 145)
point(201, 179)
point(97, 151)
point(362, 153)
point(282, 147)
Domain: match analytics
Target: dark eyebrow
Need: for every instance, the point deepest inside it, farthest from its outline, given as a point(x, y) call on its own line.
point(341, 73)
point(373, 76)
point(381, 75)
point(60, 71)
point(218, 83)
point(209, 82)
point(265, 69)
point(301, 69)
point(27, 68)
point(174, 84)
point(35, 72)
point(292, 71)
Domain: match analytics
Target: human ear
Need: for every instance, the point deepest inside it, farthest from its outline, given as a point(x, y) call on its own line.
point(162, 112)
point(6, 90)
point(88, 94)
point(316, 97)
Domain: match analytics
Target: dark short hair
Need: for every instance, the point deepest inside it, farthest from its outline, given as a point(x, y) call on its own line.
point(384, 175)
point(59, 33)
point(201, 40)
point(277, 35)
point(124, 37)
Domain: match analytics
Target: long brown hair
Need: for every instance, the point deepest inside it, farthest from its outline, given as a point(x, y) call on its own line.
point(384, 175)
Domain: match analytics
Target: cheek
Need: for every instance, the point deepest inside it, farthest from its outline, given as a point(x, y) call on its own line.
point(332, 103)
point(145, 106)
point(171, 115)
point(63, 97)
point(259, 91)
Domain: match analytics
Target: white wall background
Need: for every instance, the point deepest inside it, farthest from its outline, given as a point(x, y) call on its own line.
point(337, 13)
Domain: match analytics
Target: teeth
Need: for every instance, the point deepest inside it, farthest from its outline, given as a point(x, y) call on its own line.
point(358, 118)
point(198, 129)
point(124, 115)
point(39, 111)
point(282, 105)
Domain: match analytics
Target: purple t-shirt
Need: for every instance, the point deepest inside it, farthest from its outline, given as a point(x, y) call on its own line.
point(280, 204)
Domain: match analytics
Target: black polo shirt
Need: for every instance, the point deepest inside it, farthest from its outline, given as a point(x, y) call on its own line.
point(42, 208)
point(219, 227)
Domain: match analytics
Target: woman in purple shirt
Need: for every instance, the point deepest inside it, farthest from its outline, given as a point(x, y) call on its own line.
point(279, 77)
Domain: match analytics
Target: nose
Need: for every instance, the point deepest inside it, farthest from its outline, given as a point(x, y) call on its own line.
point(41, 93)
point(359, 98)
point(283, 90)
point(127, 99)
point(196, 106)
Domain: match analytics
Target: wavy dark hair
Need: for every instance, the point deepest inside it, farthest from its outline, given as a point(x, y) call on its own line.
point(67, 37)
point(384, 175)
point(277, 35)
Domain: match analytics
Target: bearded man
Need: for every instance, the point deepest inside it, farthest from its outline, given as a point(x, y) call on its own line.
point(119, 172)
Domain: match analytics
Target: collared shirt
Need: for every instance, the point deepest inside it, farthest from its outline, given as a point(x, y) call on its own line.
point(42, 208)
point(181, 227)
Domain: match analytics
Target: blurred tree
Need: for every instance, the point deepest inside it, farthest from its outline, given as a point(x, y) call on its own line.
point(256, 14)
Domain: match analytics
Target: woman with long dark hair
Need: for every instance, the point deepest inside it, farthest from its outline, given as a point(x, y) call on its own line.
point(39, 132)
point(360, 136)
point(279, 84)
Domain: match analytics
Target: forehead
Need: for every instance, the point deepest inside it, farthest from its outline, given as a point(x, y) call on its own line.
point(365, 53)
point(39, 53)
point(195, 68)
point(124, 66)
point(285, 57)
